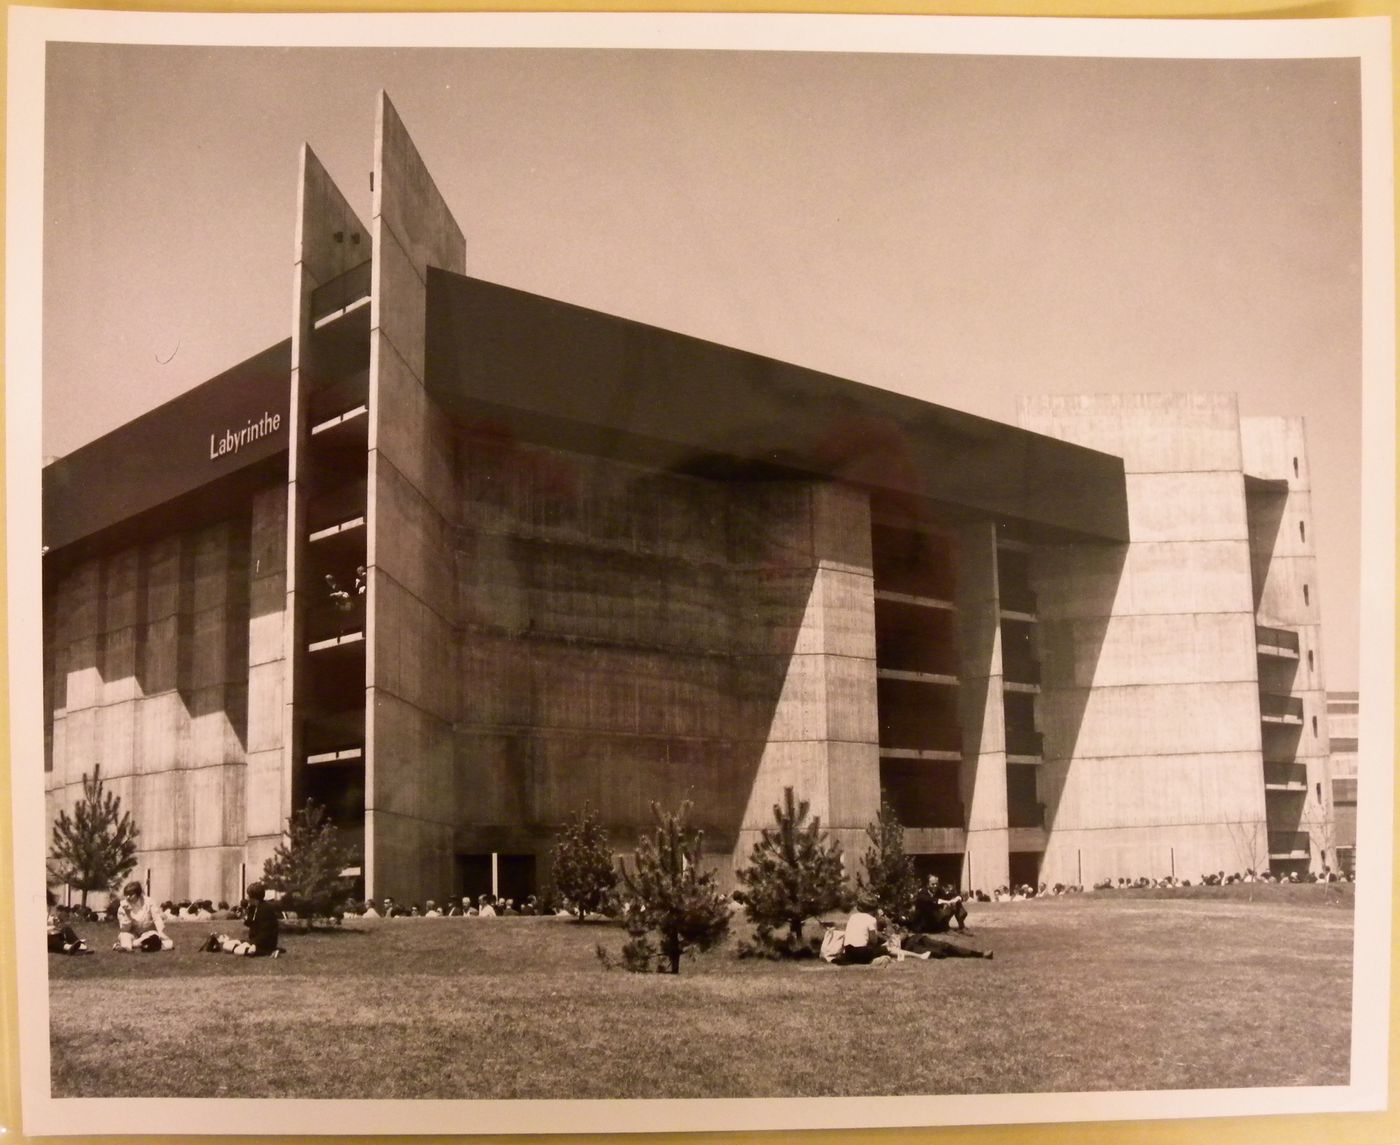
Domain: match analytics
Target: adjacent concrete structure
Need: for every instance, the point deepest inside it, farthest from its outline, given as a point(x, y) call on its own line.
point(457, 560)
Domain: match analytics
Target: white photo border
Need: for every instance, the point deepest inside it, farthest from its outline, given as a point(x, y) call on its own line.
point(31, 29)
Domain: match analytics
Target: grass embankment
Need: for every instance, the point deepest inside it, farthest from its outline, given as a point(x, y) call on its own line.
point(1088, 992)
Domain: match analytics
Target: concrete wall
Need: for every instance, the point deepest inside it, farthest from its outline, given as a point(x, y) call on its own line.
point(149, 649)
point(630, 636)
point(1283, 558)
point(410, 783)
point(1149, 703)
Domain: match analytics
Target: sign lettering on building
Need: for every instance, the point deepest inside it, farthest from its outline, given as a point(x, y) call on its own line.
point(231, 440)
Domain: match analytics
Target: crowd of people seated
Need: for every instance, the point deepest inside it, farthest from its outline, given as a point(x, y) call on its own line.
point(483, 906)
point(1221, 879)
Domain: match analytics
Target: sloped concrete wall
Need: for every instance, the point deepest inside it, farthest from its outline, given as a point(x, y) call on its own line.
point(1149, 703)
point(410, 785)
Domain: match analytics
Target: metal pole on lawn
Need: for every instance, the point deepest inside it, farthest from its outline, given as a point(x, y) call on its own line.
point(242, 881)
point(1173, 850)
point(148, 882)
point(495, 876)
point(1079, 859)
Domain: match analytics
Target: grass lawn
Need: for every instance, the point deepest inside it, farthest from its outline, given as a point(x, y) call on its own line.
point(1092, 992)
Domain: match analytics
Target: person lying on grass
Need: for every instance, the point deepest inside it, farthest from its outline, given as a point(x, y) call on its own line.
point(63, 939)
point(140, 923)
point(868, 940)
point(263, 930)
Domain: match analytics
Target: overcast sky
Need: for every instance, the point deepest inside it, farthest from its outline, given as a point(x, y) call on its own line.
point(962, 229)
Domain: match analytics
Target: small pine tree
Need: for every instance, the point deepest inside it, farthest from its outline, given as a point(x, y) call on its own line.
point(584, 876)
point(306, 865)
point(95, 848)
point(794, 872)
point(889, 879)
point(671, 896)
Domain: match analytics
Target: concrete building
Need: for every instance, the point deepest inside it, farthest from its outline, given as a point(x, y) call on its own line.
point(607, 564)
point(1344, 719)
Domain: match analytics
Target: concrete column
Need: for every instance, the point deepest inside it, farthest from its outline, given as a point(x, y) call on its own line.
point(266, 767)
point(982, 773)
point(410, 782)
point(823, 738)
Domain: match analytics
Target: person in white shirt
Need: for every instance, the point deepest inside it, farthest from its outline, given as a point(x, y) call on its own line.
point(863, 942)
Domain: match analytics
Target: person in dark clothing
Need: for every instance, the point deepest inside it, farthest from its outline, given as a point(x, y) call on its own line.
point(263, 930)
point(926, 946)
point(936, 907)
point(63, 939)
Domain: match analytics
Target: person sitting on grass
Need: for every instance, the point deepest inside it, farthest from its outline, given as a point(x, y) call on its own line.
point(936, 906)
point(863, 944)
point(263, 930)
point(63, 939)
point(140, 923)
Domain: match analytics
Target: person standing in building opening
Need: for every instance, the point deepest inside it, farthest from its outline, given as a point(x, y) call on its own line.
point(340, 601)
point(263, 930)
point(140, 923)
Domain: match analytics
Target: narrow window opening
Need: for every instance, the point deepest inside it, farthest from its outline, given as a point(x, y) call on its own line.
point(1319, 791)
point(1295, 467)
point(1314, 725)
point(1302, 531)
point(1310, 660)
point(1306, 599)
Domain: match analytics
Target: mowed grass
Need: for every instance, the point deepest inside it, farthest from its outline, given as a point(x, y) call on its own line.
point(1092, 992)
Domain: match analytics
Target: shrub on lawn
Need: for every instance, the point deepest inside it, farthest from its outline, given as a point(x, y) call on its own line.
point(306, 867)
point(95, 847)
point(889, 879)
point(671, 896)
point(794, 872)
point(584, 876)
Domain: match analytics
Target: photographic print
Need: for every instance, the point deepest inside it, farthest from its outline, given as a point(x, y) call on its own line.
point(566, 565)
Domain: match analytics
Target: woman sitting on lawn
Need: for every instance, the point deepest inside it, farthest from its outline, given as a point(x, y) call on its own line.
point(140, 923)
point(263, 930)
point(63, 939)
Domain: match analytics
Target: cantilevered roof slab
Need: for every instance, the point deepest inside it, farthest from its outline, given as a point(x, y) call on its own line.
point(198, 450)
point(565, 376)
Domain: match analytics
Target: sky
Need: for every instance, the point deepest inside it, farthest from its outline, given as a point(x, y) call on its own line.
point(962, 229)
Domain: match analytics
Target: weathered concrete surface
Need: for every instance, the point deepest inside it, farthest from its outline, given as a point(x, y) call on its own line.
point(1283, 557)
point(981, 699)
point(148, 648)
point(412, 614)
point(1150, 693)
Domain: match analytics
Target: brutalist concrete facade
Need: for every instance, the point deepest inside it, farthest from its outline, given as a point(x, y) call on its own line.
point(606, 564)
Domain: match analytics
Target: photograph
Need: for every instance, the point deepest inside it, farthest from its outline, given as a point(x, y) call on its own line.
point(838, 567)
